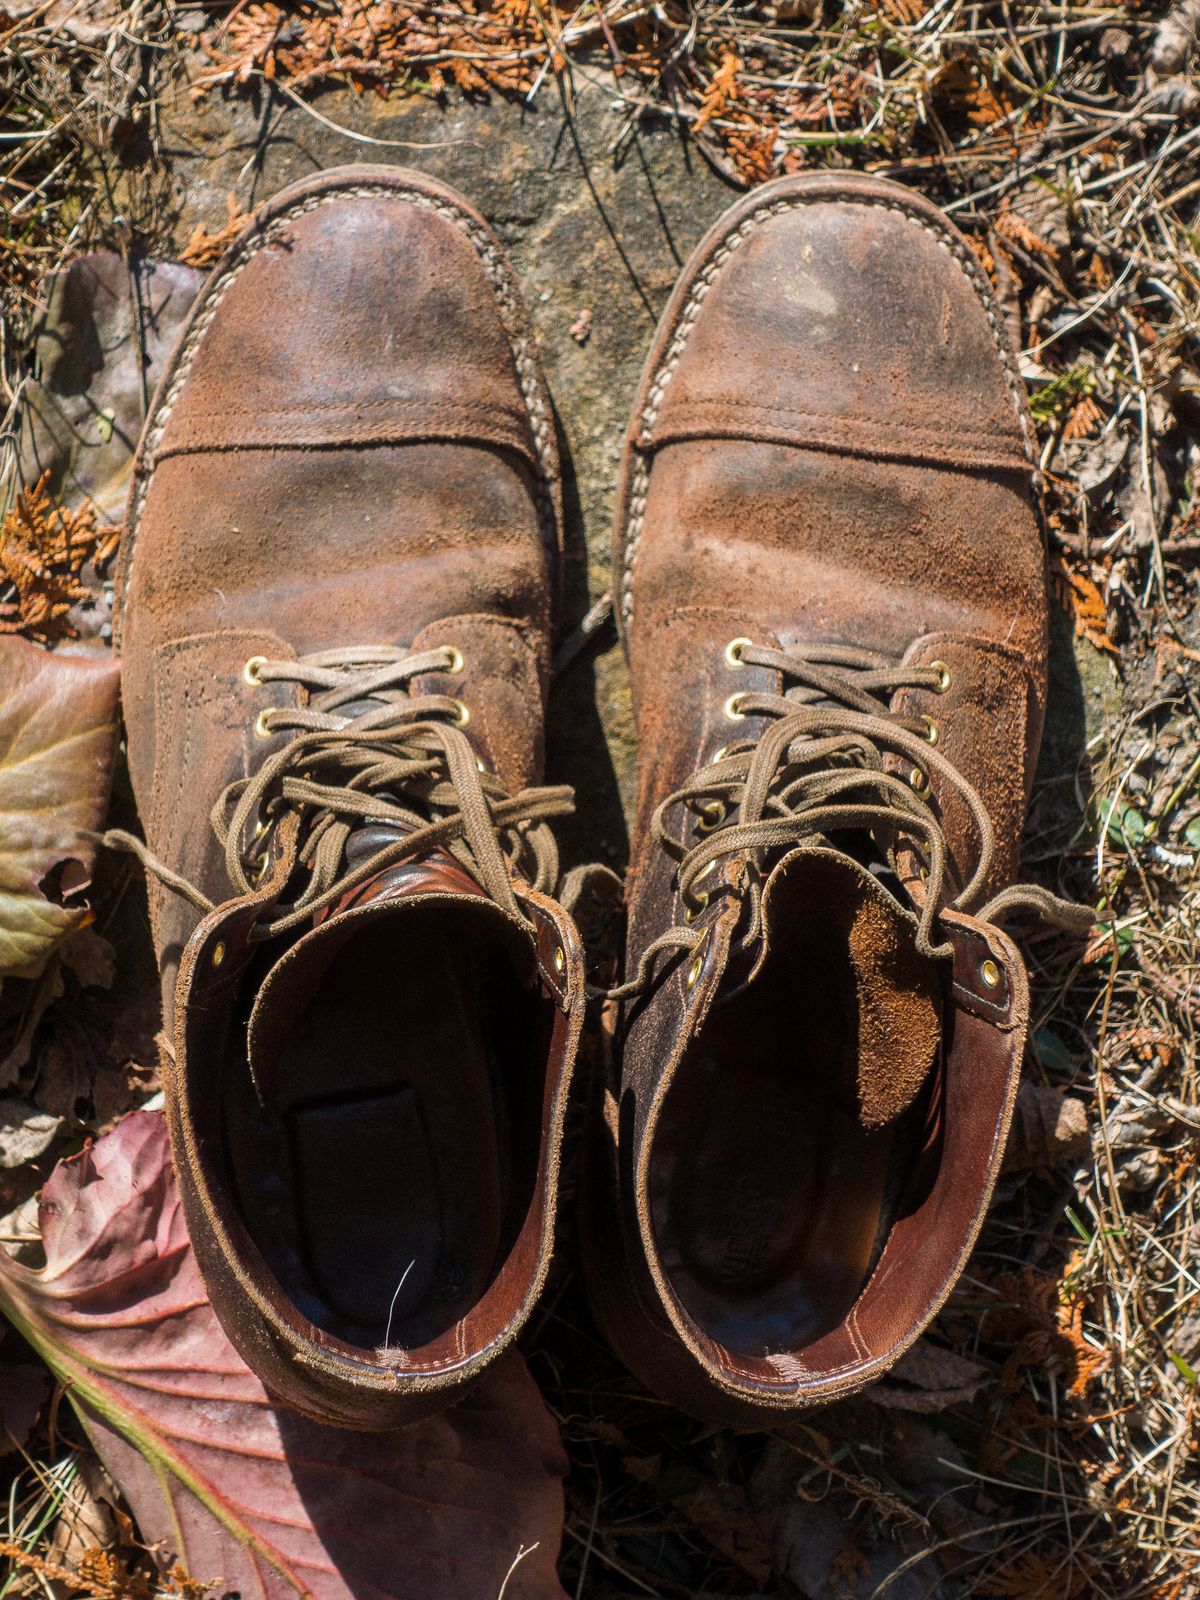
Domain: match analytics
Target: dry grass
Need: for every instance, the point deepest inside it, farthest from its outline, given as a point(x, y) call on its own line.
point(1063, 138)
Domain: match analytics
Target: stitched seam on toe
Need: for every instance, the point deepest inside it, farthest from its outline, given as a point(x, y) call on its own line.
point(955, 247)
point(492, 261)
point(685, 409)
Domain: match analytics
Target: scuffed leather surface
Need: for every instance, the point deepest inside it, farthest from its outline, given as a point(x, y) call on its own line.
point(864, 342)
point(829, 444)
point(338, 542)
point(350, 445)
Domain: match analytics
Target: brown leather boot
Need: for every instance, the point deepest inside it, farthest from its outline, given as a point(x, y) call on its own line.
point(336, 606)
point(830, 584)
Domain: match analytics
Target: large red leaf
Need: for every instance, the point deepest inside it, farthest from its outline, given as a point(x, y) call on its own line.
point(247, 1496)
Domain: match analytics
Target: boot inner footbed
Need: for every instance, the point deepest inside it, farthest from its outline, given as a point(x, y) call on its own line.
point(390, 1164)
point(770, 1195)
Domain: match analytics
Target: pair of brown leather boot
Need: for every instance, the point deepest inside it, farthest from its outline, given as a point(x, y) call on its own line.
point(336, 607)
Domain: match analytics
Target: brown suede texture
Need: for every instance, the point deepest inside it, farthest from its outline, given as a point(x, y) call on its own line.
point(830, 444)
point(351, 445)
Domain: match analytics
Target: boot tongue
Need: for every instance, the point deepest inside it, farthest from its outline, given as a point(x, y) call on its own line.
point(397, 889)
point(874, 1000)
point(431, 872)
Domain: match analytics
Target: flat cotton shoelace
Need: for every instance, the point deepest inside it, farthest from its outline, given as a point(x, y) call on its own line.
point(820, 767)
point(366, 750)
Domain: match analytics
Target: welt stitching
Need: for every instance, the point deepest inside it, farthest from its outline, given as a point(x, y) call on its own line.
point(685, 408)
point(319, 407)
point(953, 246)
point(493, 265)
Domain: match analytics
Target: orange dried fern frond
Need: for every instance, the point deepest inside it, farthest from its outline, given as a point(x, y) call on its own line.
point(1083, 599)
point(203, 248)
point(44, 548)
point(105, 1575)
point(722, 90)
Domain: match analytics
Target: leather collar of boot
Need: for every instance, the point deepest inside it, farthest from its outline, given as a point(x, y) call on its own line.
point(927, 1249)
point(204, 999)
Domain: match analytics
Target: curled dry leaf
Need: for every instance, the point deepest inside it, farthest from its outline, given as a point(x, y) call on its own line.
point(930, 1378)
point(1176, 38)
point(1049, 1127)
point(88, 22)
point(102, 337)
point(244, 1496)
point(25, 1132)
point(58, 740)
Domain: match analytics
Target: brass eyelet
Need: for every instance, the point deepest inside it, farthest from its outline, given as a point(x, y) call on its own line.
point(918, 780)
point(706, 871)
point(480, 764)
point(932, 732)
point(251, 669)
point(733, 652)
point(944, 679)
point(712, 815)
point(990, 973)
point(461, 714)
point(218, 953)
point(718, 755)
point(730, 709)
point(262, 726)
point(690, 913)
point(560, 960)
point(694, 971)
point(454, 660)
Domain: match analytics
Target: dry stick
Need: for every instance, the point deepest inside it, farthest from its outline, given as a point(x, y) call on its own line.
point(523, 1551)
point(363, 138)
point(1147, 476)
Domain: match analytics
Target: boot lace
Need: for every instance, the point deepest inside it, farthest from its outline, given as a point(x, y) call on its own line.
point(366, 750)
point(821, 766)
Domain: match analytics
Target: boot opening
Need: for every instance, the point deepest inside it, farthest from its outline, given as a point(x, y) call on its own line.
point(787, 1138)
point(385, 1151)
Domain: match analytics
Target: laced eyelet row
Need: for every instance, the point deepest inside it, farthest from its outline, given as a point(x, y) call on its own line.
point(713, 813)
point(354, 729)
point(735, 647)
point(252, 668)
point(841, 698)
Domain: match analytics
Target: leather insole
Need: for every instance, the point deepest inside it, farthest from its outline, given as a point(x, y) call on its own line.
point(774, 1176)
point(392, 1159)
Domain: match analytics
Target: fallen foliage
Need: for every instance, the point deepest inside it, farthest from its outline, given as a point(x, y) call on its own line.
point(58, 740)
point(256, 1499)
point(1055, 1455)
point(44, 548)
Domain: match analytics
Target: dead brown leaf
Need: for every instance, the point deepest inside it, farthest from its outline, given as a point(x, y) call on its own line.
point(58, 741)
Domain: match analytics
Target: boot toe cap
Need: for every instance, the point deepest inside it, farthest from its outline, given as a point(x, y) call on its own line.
point(356, 312)
point(847, 315)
